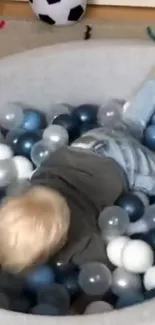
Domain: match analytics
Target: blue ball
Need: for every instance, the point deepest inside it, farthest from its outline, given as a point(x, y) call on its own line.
point(129, 299)
point(39, 277)
point(69, 123)
point(70, 282)
point(86, 113)
point(13, 137)
point(46, 310)
point(149, 137)
point(85, 127)
point(55, 295)
point(33, 120)
point(149, 294)
point(20, 304)
point(132, 205)
point(25, 143)
point(152, 120)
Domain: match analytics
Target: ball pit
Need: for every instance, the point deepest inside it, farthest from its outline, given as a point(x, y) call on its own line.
point(73, 94)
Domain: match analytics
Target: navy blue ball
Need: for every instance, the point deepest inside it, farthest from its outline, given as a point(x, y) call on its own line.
point(69, 123)
point(61, 268)
point(55, 295)
point(13, 137)
point(70, 282)
point(33, 120)
point(149, 294)
point(25, 143)
point(20, 304)
point(148, 237)
point(149, 137)
point(86, 113)
point(39, 277)
point(85, 127)
point(152, 120)
point(46, 310)
point(132, 205)
point(129, 299)
point(152, 199)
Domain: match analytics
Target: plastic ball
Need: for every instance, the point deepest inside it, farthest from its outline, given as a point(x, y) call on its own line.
point(55, 295)
point(149, 216)
point(87, 127)
point(33, 120)
point(94, 278)
point(69, 123)
point(149, 294)
point(57, 135)
point(115, 249)
point(25, 143)
point(23, 167)
point(110, 112)
point(132, 205)
point(113, 221)
point(56, 109)
point(11, 116)
point(41, 151)
point(149, 137)
point(45, 309)
point(137, 256)
point(71, 284)
point(124, 281)
point(8, 172)
point(86, 113)
point(17, 188)
point(61, 268)
point(143, 197)
point(19, 304)
point(5, 151)
point(130, 299)
point(139, 226)
point(149, 279)
point(39, 277)
point(98, 307)
point(13, 136)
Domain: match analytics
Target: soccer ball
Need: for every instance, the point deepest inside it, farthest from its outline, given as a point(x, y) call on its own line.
point(59, 12)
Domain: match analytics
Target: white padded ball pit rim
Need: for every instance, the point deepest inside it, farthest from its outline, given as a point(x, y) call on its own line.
point(77, 73)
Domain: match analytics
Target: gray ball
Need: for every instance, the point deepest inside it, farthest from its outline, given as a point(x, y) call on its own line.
point(124, 281)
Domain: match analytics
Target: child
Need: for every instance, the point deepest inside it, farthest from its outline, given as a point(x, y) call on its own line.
point(57, 216)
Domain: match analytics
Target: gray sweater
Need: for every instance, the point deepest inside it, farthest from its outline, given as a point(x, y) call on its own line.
point(89, 183)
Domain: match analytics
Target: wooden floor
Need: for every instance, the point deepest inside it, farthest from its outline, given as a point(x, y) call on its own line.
point(23, 9)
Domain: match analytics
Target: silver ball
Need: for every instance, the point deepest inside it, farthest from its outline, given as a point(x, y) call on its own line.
point(7, 172)
point(124, 281)
point(56, 134)
point(98, 307)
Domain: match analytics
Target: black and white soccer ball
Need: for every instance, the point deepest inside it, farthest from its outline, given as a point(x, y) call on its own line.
point(59, 12)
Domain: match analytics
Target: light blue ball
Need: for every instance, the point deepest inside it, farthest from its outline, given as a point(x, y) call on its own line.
point(39, 277)
point(149, 137)
point(33, 120)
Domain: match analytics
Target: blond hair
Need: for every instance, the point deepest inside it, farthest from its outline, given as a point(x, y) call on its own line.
point(32, 227)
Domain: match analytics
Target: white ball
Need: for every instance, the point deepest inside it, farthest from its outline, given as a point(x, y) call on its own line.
point(23, 167)
point(149, 278)
point(139, 226)
point(137, 256)
point(115, 248)
point(5, 152)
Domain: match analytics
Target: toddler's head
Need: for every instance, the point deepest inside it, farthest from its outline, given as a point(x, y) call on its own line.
point(32, 227)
